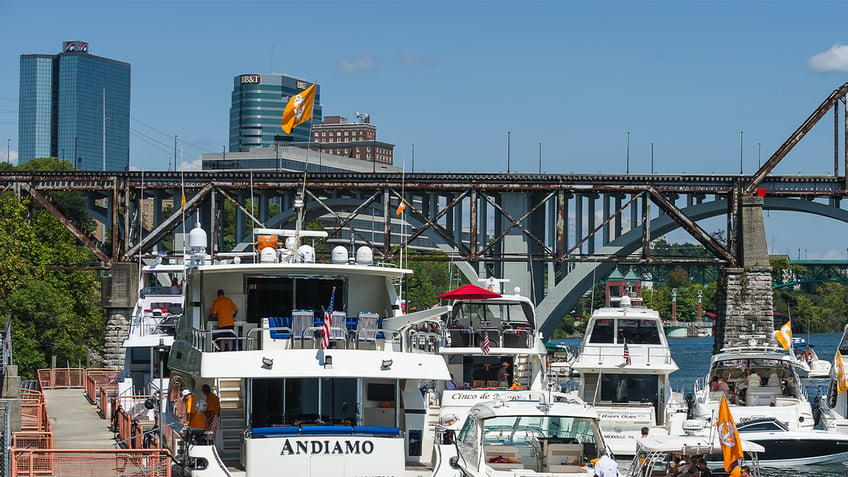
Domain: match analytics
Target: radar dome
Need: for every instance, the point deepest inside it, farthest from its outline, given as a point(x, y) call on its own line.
point(268, 255)
point(364, 255)
point(339, 255)
point(197, 237)
point(307, 253)
point(625, 301)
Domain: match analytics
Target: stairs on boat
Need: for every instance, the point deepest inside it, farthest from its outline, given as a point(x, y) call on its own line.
point(231, 427)
point(521, 371)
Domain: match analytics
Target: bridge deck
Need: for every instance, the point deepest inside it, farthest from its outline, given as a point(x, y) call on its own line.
point(76, 422)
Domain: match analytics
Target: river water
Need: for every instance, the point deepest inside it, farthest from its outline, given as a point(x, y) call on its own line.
point(692, 356)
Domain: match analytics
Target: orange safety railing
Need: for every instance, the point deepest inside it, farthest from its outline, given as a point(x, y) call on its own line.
point(103, 463)
point(97, 378)
point(39, 464)
point(129, 419)
point(58, 378)
point(34, 411)
point(104, 401)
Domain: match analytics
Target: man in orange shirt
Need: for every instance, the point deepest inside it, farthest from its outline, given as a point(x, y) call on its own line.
point(224, 310)
point(195, 415)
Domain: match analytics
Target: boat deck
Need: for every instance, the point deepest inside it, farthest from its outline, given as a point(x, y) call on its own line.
point(75, 421)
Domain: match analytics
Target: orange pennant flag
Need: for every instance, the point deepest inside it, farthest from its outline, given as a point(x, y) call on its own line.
point(731, 445)
point(841, 378)
point(401, 207)
point(299, 109)
point(183, 202)
point(784, 335)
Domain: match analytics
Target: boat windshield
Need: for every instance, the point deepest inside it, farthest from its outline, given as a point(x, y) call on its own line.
point(522, 430)
point(630, 331)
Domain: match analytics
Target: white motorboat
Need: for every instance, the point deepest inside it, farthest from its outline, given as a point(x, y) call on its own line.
point(624, 364)
point(787, 448)
point(152, 326)
point(759, 380)
point(492, 349)
point(554, 435)
point(654, 455)
point(807, 362)
point(288, 402)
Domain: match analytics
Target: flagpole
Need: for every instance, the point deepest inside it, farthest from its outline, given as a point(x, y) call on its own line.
point(302, 210)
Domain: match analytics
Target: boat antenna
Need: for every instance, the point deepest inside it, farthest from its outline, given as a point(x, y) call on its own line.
point(592, 297)
point(182, 208)
point(140, 223)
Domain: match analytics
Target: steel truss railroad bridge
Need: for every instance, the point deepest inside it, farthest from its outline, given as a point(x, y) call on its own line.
point(553, 235)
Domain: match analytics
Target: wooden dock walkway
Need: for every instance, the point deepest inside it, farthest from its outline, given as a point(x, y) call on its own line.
point(76, 422)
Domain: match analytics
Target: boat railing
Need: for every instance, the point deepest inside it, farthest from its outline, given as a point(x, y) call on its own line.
point(646, 353)
point(424, 341)
point(256, 338)
point(473, 337)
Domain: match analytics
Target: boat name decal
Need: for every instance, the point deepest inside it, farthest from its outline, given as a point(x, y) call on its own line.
point(327, 447)
point(485, 396)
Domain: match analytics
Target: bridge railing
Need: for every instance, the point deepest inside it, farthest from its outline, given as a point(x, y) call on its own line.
point(30, 462)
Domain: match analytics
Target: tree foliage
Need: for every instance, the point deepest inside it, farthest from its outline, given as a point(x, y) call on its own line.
point(55, 310)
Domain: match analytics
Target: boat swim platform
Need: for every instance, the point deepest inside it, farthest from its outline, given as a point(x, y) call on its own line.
point(75, 422)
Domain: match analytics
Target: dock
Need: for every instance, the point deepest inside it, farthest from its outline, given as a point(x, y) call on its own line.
point(75, 422)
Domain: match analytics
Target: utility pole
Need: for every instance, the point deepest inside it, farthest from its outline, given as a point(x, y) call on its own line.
point(508, 134)
point(627, 167)
point(176, 168)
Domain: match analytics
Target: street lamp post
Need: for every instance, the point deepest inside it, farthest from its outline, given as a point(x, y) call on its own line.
point(162, 352)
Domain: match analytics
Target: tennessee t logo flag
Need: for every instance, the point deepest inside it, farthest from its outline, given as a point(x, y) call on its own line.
point(841, 378)
point(299, 109)
point(784, 335)
point(731, 445)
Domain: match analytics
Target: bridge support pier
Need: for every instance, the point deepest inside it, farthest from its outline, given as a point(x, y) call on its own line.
point(745, 298)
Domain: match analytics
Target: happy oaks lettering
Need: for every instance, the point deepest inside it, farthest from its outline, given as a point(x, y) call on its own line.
point(313, 447)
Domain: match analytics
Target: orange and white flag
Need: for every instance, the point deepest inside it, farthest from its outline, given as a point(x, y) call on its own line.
point(841, 378)
point(784, 335)
point(299, 109)
point(731, 445)
point(401, 207)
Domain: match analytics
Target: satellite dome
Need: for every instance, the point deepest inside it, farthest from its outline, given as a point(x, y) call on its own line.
point(339, 255)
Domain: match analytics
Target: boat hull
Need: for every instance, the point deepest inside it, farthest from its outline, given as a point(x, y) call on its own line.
point(795, 450)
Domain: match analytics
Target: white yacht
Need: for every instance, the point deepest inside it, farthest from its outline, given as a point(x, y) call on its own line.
point(807, 361)
point(289, 403)
point(152, 326)
point(492, 348)
point(554, 435)
point(759, 380)
point(624, 364)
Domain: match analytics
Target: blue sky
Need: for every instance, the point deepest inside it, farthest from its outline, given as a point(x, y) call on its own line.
point(455, 77)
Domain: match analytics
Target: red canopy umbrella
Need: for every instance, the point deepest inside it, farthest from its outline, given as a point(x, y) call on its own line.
point(469, 292)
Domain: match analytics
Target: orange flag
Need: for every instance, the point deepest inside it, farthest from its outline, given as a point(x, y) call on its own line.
point(299, 109)
point(731, 445)
point(841, 378)
point(784, 335)
point(401, 207)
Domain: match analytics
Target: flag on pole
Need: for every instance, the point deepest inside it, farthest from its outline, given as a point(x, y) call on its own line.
point(731, 445)
point(401, 207)
point(841, 378)
point(328, 321)
point(485, 346)
point(627, 361)
point(183, 202)
point(784, 335)
point(299, 109)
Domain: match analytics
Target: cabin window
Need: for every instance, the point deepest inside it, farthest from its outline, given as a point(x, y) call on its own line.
point(303, 401)
point(629, 388)
point(639, 332)
point(603, 331)
point(278, 296)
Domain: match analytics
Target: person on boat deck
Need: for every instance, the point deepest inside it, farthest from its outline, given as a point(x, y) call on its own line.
point(195, 419)
point(725, 389)
point(451, 384)
point(213, 412)
point(701, 464)
point(224, 310)
point(605, 466)
point(176, 289)
point(503, 374)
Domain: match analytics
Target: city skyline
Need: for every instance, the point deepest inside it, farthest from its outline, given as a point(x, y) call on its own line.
point(572, 86)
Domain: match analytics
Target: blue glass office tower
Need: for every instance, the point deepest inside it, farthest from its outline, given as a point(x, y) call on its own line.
point(76, 107)
point(257, 108)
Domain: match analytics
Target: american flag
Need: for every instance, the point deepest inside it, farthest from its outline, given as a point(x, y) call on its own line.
point(328, 321)
point(485, 345)
point(627, 361)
